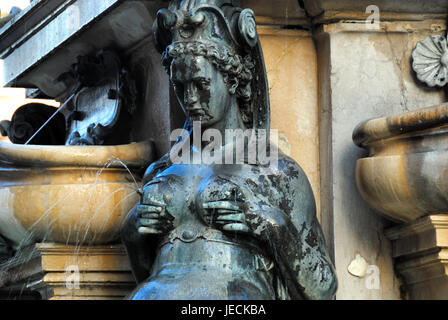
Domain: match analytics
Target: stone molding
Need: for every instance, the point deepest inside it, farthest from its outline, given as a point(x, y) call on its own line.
point(433, 26)
point(46, 270)
point(104, 271)
point(420, 250)
point(325, 11)
point(84, 25)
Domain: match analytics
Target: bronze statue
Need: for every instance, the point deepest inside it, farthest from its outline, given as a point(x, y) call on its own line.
point(223, 231)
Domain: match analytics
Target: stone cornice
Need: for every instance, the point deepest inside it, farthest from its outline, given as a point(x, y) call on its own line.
point(428, 223)
point(431, 266)
point(420, 250)
point(433, 26)
point(38, 13)
point(50, 37)
point(328, 11)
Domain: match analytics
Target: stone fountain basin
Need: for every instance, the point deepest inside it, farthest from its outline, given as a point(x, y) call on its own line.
point(68, 194)
point(405, 175)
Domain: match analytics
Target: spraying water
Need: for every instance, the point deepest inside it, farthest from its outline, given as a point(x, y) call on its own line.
point(78, 235)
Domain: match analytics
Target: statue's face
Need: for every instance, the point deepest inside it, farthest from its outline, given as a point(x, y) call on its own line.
point(200, 89)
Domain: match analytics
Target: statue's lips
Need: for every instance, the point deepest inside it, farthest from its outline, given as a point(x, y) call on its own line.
point(196, 112)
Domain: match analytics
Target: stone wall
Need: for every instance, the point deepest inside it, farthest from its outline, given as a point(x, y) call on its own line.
point(322, 84)
point(363, 74)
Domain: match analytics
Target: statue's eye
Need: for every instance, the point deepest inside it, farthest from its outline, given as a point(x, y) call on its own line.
point(202, 84)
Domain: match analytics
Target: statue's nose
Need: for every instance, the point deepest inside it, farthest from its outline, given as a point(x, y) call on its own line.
point(191, 97)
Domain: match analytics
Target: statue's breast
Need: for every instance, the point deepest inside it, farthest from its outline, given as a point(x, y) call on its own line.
point(176, 188)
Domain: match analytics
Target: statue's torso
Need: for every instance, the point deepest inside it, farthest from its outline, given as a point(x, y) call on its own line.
point(195, 260)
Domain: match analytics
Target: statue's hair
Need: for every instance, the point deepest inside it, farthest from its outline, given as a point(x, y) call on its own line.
point(237, 71)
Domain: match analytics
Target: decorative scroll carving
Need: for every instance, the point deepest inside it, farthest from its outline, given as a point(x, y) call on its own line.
point(28, 119)
point(107, 88)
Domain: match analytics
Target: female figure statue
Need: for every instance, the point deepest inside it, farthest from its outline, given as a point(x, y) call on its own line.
point(223, 231)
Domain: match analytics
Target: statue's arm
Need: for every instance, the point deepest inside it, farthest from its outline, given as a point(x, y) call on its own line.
point(305, 265)
point(138, 247)
point(300, 252)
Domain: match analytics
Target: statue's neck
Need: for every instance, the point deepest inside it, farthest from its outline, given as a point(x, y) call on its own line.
point(226, 140)
point(231, 121)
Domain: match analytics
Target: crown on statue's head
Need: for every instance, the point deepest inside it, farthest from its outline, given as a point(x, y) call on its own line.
point(219, 21)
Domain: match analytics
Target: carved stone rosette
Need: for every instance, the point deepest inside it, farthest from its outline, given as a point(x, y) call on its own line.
point(430, 61)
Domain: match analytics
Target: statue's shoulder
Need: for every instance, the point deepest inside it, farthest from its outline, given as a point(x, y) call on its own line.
point(283, 174)
point(290, 170)
point(297, 192)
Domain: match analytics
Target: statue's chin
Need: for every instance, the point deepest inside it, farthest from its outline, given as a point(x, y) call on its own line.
point(204, 120)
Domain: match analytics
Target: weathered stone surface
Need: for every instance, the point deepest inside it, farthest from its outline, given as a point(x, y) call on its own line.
point(78, 273)
point(317, 7)
point(280, 12)
point(154, 118)
point(404, 175)
point(364, 74)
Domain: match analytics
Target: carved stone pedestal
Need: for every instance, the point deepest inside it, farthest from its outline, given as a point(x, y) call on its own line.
point(60, 272)
point(78, 273)
point(420, 250)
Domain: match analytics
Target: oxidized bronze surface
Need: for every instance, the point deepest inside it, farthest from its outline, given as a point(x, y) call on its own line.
point(223, 231)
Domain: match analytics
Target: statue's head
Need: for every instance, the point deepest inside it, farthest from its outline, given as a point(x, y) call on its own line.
point(212, 54)
point(208, 79)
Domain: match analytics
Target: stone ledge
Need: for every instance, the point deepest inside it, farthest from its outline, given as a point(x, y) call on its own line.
point(405, 26)
point(428, 267)
point(360, 17)
point(104, 271)
point(38, 55)
point(64, 272)
point(423, 235)
point(393, 8)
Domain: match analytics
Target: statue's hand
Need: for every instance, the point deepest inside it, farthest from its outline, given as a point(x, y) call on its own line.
point(153, 219)
point(226, 215)
point(223, 206)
